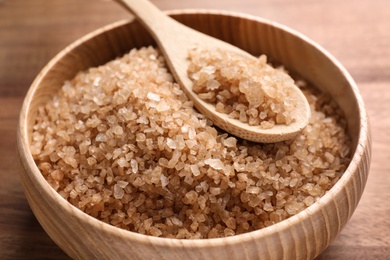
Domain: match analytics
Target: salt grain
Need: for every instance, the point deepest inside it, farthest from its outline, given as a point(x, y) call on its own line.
point(153, 96)
point(164, 180)
point(162, 106)
point(195, 170)
point(171, 143)
point(214, 163)
point(118, 192)
point(134, 165)
point(101, 137)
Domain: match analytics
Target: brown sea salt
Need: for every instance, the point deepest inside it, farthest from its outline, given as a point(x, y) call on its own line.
point(249, 90)
point(124, 144)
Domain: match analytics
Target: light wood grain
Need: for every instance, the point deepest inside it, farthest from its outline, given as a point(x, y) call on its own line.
point(356, 32)
point(303, 236)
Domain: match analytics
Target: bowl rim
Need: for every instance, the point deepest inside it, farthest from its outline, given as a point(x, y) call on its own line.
point(363, 141)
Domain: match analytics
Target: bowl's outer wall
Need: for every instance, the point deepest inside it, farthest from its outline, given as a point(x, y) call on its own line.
point(303, 236)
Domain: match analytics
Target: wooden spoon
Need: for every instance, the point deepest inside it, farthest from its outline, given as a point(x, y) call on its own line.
point(175, 40)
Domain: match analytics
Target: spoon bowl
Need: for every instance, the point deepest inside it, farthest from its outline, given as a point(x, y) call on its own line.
point(175, 40)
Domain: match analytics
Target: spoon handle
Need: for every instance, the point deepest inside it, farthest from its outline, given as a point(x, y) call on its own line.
point(159, 25)
point(174, 40)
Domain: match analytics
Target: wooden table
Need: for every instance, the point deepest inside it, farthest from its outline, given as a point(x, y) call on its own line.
point(357, 32)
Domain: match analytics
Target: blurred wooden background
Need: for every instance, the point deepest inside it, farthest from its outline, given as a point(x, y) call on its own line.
point(356, 32)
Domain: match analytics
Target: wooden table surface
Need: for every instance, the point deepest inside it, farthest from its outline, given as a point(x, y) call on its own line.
point(357, 32)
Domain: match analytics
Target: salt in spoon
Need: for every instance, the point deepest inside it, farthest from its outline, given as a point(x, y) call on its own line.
point(175, 40)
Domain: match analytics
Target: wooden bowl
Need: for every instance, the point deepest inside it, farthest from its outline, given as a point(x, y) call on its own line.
point(302, 236)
